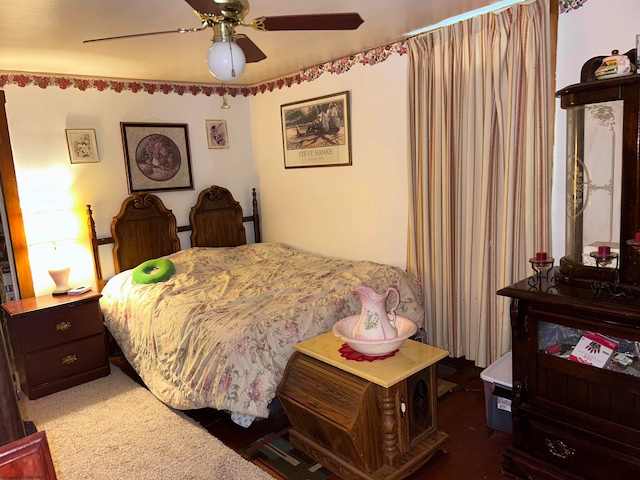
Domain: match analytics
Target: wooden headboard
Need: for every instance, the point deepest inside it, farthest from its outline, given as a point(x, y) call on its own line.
point(216, 206)
point(145, 229)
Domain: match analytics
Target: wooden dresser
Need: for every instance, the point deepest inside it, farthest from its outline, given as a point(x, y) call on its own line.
point(570, 420)
point(27, 458)
point(363, 420)
point(11, 424)
point(57, 341)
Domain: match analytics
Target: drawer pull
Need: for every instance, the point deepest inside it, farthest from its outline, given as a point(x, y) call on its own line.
point(62, 326)
point(69, 359)
point(559, 449)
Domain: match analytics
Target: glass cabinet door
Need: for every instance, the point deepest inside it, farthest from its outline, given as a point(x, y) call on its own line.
point(590, 348)
point(603, 181)
point(594, 164)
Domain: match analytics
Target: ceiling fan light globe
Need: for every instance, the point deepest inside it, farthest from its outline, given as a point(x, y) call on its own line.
point(226, 61)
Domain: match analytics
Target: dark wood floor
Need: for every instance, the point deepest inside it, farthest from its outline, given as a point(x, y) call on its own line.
point(475, 450)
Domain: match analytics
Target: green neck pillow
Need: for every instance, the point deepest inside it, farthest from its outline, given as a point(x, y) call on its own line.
point(153, 271)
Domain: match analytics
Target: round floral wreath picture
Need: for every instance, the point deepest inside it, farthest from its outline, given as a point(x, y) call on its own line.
point(158, 157)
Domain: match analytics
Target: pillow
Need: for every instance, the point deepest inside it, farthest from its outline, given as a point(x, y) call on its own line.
point(153, 271)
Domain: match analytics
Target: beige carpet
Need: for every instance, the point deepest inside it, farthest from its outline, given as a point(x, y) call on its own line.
point(112, 428)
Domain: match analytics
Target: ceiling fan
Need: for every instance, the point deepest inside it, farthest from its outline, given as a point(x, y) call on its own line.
point(230, 51)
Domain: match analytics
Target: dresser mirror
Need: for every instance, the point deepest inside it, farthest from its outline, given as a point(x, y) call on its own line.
point(603, 180)
point(594, 166)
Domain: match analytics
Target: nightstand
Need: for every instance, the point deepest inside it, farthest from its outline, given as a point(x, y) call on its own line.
point(363, 420)
point(57, 341)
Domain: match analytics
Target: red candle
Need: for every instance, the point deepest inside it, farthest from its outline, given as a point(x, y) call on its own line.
point(604, 250)
point(541, 256)
point(638, 237)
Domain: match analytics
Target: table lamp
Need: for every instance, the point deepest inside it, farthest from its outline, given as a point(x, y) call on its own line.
point(60, 277)
point(52, 228)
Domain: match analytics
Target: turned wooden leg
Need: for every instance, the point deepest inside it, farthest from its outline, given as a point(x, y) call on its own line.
point(390, 428)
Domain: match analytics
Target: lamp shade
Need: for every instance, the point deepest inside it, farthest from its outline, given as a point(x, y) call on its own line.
point(49, 226)
point(226, 60)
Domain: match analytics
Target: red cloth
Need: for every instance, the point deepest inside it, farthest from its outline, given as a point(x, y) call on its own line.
point(350, 354)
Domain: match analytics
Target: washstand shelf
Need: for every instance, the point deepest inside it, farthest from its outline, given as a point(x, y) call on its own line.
point(363, 420)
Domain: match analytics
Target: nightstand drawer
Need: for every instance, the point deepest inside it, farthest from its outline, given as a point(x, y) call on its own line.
point(66, 360)
point(60, 325)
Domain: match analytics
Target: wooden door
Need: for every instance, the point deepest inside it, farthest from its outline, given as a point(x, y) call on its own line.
point(11, 425)
point(9, 187)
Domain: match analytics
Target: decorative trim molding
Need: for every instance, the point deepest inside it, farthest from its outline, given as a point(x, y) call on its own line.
point(342, 65)
point(568, 5)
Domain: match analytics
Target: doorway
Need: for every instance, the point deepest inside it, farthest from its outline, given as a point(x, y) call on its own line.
point(18, 255)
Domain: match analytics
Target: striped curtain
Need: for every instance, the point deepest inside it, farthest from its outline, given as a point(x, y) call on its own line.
point(481, 107)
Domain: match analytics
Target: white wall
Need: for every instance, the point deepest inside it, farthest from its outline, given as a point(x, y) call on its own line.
point(354, 212)
point(37, 121)
point(596, 28)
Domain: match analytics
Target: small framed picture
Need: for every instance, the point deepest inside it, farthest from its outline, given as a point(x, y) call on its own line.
point(83, 147)
point(217, 134)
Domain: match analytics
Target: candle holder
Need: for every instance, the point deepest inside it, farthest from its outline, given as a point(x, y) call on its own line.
point(604, 258)
point(541, 264)
point(633, 254)
point(634, 243)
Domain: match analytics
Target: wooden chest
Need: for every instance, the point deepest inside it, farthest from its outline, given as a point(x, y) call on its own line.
point(357, 428)
point(57, 342)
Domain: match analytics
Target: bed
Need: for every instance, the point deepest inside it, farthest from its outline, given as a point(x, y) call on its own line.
point(218, 333)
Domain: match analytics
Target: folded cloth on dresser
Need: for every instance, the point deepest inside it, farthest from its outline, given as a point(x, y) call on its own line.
point(218, 333)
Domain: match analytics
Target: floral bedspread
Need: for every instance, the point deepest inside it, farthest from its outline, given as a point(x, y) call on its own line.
point(218, 333)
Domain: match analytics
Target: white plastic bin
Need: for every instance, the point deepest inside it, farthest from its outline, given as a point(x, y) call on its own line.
point(498, 385)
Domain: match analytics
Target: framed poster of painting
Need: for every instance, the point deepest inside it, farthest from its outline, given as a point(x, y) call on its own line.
point(317, 132)
point(217, 134)
point(157, 156)
point(82, 145)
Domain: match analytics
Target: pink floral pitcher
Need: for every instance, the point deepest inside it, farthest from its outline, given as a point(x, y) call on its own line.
point(374, 322)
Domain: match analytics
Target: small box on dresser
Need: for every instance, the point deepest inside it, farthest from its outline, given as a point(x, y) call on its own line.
point(57, 341)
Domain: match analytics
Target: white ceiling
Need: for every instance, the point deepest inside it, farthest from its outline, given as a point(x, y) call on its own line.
point(45, 36)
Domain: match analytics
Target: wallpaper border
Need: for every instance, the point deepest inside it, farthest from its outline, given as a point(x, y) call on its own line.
point(342, 65)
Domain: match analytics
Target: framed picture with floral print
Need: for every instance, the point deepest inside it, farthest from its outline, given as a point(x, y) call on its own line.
point(83, 147)
point(217, 134)
point(157, 156)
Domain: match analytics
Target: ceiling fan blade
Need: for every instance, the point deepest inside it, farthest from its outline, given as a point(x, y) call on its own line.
point(328, 21)
point(178, 30)
point(205, 6)
point(251, 51)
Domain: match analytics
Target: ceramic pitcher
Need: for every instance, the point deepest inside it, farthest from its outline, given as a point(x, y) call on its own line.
point(374, 323)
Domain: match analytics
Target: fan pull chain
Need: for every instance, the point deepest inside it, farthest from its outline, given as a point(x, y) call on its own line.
point(233, 70)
